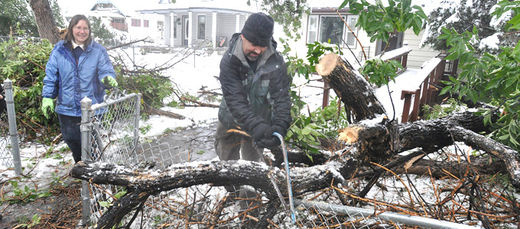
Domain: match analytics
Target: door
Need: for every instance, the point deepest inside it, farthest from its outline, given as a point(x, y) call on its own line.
point(185, 26)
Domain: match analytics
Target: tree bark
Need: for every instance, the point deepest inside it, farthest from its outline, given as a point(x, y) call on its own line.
point(44, 20)
point(355, 92)
point(430, 135)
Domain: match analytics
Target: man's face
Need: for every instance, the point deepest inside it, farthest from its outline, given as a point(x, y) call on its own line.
point(251, 51)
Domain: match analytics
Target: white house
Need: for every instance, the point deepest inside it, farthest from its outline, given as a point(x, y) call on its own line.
point(123, 20)
point(323, 24)
point(191, 22)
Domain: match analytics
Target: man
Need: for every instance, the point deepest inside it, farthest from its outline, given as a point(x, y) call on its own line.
point(255, 88)
point(2, 100)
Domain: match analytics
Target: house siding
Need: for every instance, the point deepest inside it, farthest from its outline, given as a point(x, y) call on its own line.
point(419, 54)
point(226, 25)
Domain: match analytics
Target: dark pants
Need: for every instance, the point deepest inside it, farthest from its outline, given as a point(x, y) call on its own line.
point(71, 134)
point(234, 146)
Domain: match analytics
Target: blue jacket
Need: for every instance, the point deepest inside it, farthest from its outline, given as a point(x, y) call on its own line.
point(70, 83)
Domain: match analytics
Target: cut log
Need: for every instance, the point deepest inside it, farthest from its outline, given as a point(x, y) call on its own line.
point(355, 92)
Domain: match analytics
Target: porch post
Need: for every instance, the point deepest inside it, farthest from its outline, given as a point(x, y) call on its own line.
point(214, 29)
point(237, 23)
point(172, 29)
point(190, 28)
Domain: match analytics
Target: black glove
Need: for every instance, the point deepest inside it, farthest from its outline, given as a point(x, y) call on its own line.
point(271, 142)
point(261, 131)
point(279, 130)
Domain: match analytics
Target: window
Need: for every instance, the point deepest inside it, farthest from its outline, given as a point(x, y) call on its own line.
point(176, 21)
point(136, 22)
point(350, 39)
point(312, 30)
point(146, 23)
point(118, 20)
point(160, 28)
point(201, 27)
point(331, 28)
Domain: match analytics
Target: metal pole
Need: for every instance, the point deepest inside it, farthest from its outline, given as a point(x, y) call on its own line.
point(136, 123)
point(86, 124)
point(13, 133)
point(289, 186)
point(408, 220)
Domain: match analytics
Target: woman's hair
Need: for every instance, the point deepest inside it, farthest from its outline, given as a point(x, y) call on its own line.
point(73, 22)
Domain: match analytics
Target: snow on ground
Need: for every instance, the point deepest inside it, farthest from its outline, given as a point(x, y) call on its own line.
point(189, 75)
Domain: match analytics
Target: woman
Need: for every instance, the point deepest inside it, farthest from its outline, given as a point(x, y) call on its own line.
point(78, 67)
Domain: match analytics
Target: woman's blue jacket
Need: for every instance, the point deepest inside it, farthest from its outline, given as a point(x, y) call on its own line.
point(70, 82)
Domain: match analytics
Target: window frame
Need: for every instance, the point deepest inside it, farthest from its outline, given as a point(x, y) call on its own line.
point(321, 16)
point(136, 22)
point(355, 30)
point(316, 29)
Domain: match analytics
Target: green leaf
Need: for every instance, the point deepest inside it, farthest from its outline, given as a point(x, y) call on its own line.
point(345, 2)
point(445, 90)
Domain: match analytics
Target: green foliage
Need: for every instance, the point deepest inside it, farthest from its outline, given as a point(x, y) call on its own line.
point(16, 13)
point(513, 6)
point(489, 78)
point(380, 72)
point(56, 14)
point(288, 13)
point(153, 87)
point(439, 111)
point(380, 22)
point(118, 195)
point(23, 62)
point(308, 132)
point(26, 223)
point(16, 17)
point(467, 16)
point(316, 50)
point(100, 31)
point(23, 194)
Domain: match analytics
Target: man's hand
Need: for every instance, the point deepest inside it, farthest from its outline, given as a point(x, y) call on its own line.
point(47, 106)
point(268, 142)
point(261, 131)
point(109, 81)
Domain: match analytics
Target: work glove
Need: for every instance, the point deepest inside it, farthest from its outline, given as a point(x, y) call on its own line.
point(279, 130)
point(263, 136)
point(261, 131)
point(270, 142)
point(47, 106)
point(109, 82)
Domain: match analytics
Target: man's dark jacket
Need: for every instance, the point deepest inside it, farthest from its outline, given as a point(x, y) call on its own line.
point(2, 101)
point(254, 97)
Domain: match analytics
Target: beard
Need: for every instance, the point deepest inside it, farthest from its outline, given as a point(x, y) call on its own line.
point(252, 56)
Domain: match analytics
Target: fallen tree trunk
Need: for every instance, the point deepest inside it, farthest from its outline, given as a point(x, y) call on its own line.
point(355, 92)
point(430, 135)
point(440, 169)
point(143, 183)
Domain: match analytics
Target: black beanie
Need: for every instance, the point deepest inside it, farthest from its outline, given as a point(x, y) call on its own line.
point(258, 29)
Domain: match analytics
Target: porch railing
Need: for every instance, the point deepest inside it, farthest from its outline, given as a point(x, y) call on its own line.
point(426, 92)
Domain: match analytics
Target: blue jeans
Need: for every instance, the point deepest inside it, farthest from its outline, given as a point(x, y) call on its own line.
point(71, 134)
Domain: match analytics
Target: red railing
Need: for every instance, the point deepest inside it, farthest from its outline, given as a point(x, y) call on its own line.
point(426, 92)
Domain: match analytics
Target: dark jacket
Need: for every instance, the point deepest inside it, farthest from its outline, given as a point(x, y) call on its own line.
point(254, 97)
point(2, 101)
